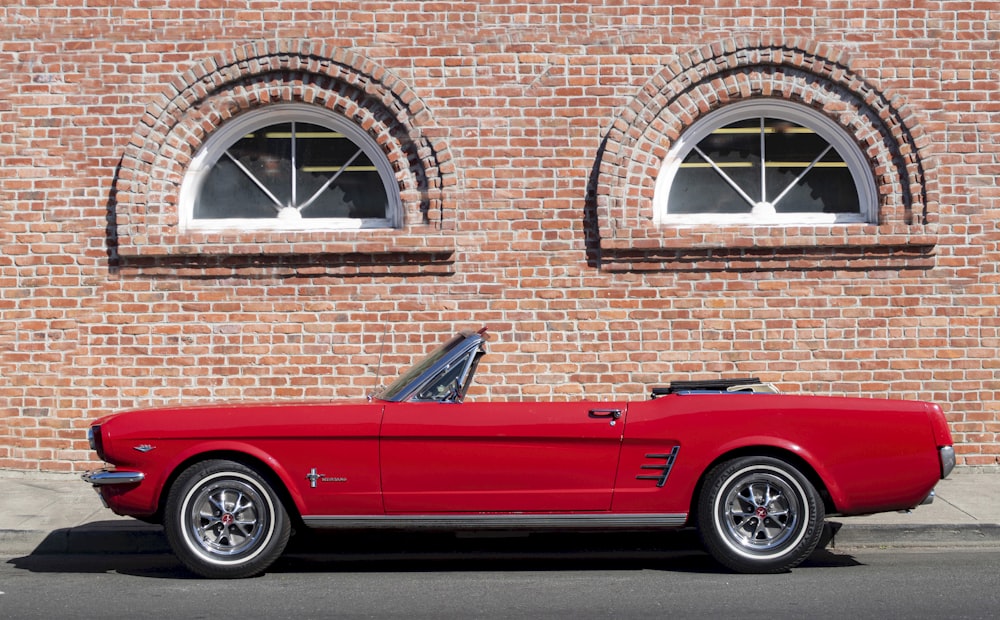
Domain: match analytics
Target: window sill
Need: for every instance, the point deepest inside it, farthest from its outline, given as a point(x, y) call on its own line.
point(294, 253)
point(758, 247)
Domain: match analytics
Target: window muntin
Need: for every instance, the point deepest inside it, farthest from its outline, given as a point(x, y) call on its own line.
point(768, 162)
point(290, 167)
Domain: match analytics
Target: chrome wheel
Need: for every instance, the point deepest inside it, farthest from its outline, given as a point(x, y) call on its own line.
point(226, 517)
point(760, 511)
point(223, 519)
point(759, 515)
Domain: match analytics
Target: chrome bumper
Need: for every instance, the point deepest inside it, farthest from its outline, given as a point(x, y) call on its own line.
point(103, 477)
point(947, 456)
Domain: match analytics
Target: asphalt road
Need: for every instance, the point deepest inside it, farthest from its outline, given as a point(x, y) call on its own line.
point(499, 583)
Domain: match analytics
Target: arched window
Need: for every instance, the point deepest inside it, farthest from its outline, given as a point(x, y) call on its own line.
point(765, 161)
point(290, 167)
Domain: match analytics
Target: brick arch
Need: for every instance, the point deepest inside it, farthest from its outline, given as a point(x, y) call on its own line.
point(199, 100)
point(704, 79)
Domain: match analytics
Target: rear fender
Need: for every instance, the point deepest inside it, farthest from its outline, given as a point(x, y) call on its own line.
point(811, 466)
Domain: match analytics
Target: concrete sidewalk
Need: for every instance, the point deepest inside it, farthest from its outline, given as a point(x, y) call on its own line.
point(59, 513)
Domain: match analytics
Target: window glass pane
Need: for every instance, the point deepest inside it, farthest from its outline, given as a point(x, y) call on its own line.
point(701, 190)
point(822, 190)
point(735, 149)
point(228, 193)
point(827, 187)
point(353, 195)
point(447, 384)
point(321, 154)
point(253, 178)
point(766, 162)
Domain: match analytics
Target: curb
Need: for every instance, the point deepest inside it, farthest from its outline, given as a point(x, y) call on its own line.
point(136, 537)
point(958, 535)
point(112, 537)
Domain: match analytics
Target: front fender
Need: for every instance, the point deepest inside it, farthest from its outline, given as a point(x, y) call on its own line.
point(151, 473)
point(226, 449)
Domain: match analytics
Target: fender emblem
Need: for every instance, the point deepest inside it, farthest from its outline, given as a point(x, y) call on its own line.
point(144, 448)
point(314, 477)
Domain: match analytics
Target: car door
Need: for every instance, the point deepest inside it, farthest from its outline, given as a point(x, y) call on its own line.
point(499, 457)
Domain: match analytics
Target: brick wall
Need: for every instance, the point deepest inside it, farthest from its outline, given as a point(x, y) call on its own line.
point(530, 135)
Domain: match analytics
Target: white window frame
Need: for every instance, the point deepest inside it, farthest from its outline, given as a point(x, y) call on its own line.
point(231, 132)
point(835, 135)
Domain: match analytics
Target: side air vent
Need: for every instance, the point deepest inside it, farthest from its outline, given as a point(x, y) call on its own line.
point(664, 463)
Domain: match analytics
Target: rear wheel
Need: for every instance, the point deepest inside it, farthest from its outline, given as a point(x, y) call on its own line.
point(759, 515)
point(223, 520)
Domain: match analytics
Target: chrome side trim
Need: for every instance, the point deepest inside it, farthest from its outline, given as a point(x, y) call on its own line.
point(929, 499)
point(498, 522)
point(102, 477)
point(947, 456)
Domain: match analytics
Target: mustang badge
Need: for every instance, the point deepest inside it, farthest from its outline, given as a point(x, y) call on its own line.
point(314, 477)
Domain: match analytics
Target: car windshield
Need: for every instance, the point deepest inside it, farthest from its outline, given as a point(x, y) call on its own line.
point(404, 380)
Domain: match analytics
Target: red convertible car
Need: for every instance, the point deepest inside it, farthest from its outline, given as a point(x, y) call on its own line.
point(756, 473)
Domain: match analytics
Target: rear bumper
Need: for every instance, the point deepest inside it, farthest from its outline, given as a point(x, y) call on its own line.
point(947, 456)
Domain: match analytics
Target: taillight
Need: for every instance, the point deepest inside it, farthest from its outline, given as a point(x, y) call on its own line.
point(939, 425)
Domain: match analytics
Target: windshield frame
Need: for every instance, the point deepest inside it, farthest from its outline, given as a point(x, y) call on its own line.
point(443, 358)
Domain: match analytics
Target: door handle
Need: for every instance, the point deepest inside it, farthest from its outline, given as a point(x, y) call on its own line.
point(614, 414)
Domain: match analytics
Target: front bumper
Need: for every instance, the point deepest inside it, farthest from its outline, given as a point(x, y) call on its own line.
point(126, 492)
point(103, 477)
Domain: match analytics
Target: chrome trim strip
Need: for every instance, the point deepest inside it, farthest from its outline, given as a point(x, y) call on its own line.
point(102, 477)
point(947, 456)
point(929, 499)
point(493, 522)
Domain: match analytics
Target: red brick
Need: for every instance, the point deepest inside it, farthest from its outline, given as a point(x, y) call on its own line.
point(540, 157)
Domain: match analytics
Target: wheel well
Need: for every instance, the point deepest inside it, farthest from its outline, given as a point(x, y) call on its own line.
point(784, 455)
point(253, 463)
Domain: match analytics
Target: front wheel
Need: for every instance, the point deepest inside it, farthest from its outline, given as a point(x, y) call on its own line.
point(223, 520)
point(759, 515)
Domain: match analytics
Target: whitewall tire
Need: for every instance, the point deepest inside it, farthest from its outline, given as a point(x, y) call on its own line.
point(759, 515)
point(223, 520)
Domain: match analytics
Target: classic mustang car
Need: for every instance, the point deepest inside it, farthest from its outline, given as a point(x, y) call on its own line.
point(756, 473)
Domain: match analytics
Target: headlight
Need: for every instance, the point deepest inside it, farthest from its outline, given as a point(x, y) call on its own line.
point(95, 440)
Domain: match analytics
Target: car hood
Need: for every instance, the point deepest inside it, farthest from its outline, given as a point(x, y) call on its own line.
point(240, 419)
